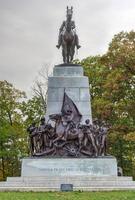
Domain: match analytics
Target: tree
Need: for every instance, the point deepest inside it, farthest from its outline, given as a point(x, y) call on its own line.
point(12, 134)
point(112, 86)
point(120, 89)
point(16, 114)
point(40, 87)
point(32, 110)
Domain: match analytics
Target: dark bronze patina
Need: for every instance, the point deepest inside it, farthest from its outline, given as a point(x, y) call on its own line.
point(68, 38)
point(68, 137)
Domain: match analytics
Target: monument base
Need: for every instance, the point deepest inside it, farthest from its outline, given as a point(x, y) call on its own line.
point(101, 166)
point(85, 174)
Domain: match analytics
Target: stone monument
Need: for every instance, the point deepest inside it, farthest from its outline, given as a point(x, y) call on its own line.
point(68, 148)
point(68, 142)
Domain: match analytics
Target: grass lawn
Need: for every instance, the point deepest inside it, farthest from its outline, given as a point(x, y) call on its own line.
point(116, 195)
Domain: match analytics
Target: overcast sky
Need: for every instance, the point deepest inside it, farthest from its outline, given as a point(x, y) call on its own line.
point(29, 31)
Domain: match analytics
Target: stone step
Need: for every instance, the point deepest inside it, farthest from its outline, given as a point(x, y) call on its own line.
point(43, 189)
point(104, 188)
point(78, 178)
point(29, 189)
point(75, 183)
point(52, 183)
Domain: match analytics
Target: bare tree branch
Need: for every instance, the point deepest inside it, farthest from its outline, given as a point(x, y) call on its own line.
point(40, 85)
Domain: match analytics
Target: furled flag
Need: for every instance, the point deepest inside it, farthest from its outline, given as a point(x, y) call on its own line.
point(69, 110)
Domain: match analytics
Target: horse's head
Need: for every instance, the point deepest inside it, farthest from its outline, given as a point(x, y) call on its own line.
point(69, 13)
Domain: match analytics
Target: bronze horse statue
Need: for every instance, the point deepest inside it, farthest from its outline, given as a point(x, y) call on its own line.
point(68, 44)
point(68, 38)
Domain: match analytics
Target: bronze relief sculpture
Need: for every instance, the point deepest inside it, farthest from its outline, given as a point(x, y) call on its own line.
point(68, 137)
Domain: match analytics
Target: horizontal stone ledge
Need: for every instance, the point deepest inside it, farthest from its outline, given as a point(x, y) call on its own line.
point(75, 181)
point(75, 185)
point(75, 93)
point(43, 189)
point(67, 71)
point(56, 108)
point(81, 81)
point(85, 178)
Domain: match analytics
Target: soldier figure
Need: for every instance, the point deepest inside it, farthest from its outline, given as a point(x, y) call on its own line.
point(102, 139)
point(96, 128)
point(43, 134)
point(32, 131)
point(90, 136)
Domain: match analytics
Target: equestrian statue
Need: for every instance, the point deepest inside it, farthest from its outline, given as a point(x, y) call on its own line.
point(68, 39)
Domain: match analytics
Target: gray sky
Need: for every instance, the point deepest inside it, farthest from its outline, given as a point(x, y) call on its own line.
point(29, 30)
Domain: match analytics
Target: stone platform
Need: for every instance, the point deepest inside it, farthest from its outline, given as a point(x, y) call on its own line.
point(85, 183)
point(104, 166)
point(90, 174)
point(69, 78)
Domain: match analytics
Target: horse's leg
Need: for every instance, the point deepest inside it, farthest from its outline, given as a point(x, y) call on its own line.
point(64, 51)
point(68, 53)
point(72, 52)
point(63, 54)
point(66, 56)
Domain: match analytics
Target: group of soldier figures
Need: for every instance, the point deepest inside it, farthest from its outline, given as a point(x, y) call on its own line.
point(67, 139)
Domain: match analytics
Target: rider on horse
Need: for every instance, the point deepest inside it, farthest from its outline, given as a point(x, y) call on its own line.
point(64, 27)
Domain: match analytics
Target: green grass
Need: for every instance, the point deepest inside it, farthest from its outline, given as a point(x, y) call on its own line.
point(116, 195)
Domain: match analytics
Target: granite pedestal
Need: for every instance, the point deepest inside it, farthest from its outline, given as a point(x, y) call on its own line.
point(70, 79)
